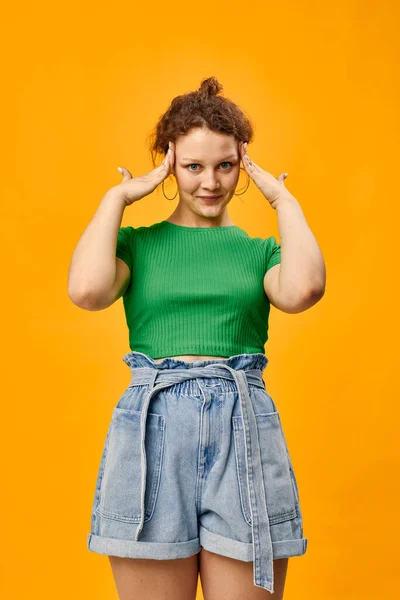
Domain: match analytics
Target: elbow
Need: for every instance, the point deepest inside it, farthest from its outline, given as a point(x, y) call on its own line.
point(84, 301)
point(304, 301)
point(318, 292)
point(311, 298)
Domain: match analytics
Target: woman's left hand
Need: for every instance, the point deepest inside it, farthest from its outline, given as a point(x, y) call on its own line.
point(272, 187)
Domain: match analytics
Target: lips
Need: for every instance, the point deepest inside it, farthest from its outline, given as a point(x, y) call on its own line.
point(210, 197)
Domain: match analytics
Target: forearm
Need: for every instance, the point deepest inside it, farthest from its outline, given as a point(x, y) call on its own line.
point(302, 272)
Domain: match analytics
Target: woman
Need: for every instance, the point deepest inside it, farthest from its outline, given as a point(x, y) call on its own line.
point(195, 474)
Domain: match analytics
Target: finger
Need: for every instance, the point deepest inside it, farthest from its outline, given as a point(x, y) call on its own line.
point(125, 173)
point(248, 162)
point(282, 177)
point(168, 155)
point(171, 156)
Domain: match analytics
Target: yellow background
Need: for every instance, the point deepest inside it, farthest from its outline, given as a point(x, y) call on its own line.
point(83, 85)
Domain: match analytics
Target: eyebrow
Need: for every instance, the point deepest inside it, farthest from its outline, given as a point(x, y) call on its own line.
point(196, 160)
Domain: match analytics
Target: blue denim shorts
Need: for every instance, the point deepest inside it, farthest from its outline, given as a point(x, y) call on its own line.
point(195, 455)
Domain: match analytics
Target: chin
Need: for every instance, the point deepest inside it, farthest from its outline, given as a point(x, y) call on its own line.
point(211, 210)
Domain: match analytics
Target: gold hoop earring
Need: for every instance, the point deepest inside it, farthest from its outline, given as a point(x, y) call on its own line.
point(247, 186)
point(167, 196)
point(241, 193)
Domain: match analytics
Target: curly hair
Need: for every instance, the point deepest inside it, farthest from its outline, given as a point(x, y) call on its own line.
point(200, 109)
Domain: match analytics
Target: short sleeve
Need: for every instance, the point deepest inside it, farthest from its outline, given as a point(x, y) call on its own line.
point(273, 253)
point(124, 249)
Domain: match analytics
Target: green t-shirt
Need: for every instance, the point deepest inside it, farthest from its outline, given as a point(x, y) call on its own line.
point(196, 290)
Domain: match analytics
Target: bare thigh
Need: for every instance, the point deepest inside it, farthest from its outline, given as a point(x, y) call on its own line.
point(224, 578)
point(145, 579)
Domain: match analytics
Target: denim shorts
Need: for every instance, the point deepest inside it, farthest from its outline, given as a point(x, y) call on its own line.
point(195, 455)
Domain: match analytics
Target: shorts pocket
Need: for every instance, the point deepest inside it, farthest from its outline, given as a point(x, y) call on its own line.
point(277, 479)
point(262, 402)
point(120, 489)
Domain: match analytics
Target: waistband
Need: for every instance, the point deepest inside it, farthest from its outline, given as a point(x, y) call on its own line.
point(243, 369)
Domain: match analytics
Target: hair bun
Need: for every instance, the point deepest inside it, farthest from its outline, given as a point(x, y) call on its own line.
point(209, 87)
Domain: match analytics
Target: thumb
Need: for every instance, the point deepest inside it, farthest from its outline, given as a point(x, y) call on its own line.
point(126, 174)
point(282, 177)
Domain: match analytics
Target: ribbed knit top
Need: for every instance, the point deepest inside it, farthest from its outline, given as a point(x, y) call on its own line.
point(196, 290)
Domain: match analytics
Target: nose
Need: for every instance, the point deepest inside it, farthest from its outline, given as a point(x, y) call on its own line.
point(210, 183)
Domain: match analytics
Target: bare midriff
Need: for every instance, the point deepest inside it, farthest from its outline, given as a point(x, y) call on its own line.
point(190, 358)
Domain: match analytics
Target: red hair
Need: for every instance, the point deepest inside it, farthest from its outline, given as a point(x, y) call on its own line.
point(200, 109)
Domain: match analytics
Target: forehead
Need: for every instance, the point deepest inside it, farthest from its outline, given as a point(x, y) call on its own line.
point(203, 143)
point(198, 159)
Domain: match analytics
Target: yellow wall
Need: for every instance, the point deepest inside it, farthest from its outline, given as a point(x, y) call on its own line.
point(82, 88)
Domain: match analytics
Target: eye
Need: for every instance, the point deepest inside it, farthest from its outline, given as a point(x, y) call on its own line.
point(196, 164)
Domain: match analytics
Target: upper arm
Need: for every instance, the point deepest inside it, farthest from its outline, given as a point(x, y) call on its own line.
point(271, 287)
point(123, 265)
point(123, 268)
point(122, 279)
point(271, 277)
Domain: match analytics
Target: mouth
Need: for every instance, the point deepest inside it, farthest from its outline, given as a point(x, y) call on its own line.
point(209, 198)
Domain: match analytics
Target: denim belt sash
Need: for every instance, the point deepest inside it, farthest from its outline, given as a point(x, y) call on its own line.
point(262, 544)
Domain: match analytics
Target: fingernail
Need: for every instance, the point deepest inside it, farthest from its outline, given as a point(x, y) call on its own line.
point(119, 169)
point(285, 175)
point(245, 146)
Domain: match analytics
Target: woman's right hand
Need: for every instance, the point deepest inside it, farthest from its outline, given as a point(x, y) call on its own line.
point(136, 188)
